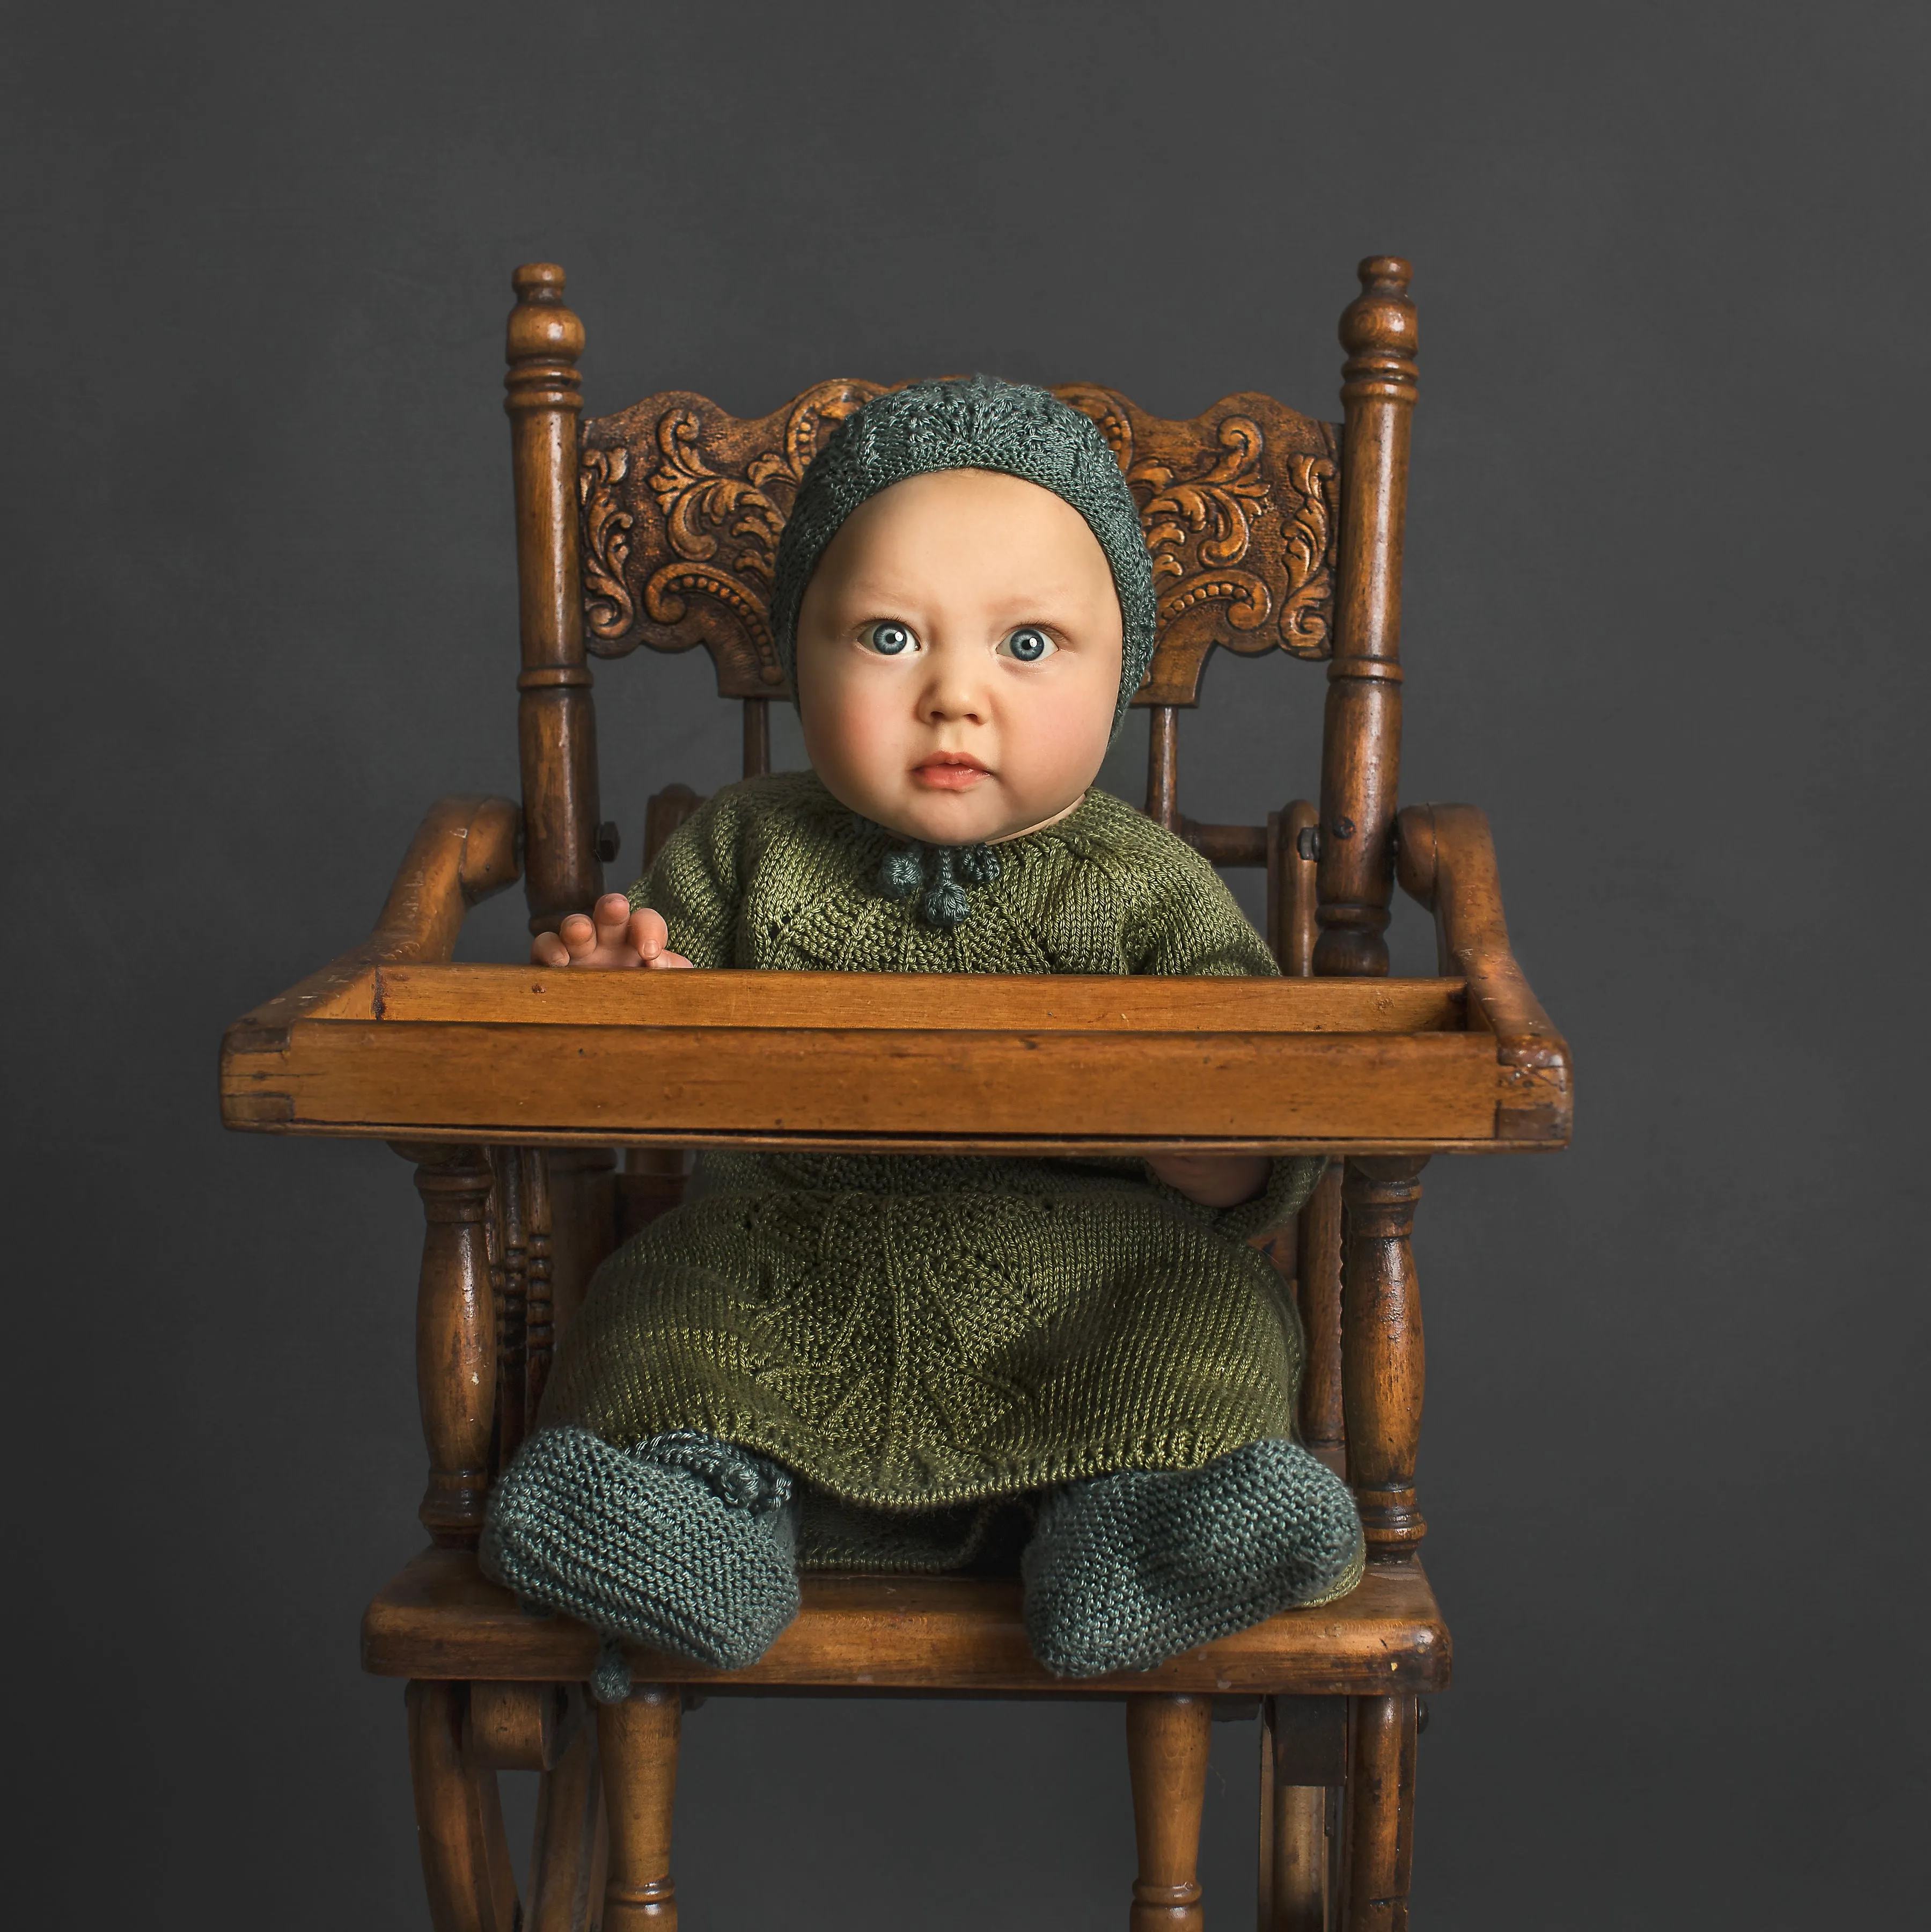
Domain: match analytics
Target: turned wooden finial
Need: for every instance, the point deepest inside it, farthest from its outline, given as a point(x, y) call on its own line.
point(540, 328)
point(1381, 318)
point(562, 872)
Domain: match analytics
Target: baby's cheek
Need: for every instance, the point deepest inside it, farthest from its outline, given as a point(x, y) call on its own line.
point(853, 745)
point(1063, 739)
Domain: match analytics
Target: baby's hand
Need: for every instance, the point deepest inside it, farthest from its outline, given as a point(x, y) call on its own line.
point(612, 936)
point(1213, 1180)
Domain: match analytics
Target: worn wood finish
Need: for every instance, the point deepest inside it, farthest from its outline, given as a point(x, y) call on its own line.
point(520, 1726)
point(1296, 1849)
point(1319, 1236)
point(463, 852)
point(682, 504)
point(1293, 895)
point(1383, 1370)
point(663, 812)
point(582, 1198)
point(455, 1339)
point(1227, 845)
point(652, 1183)
point(569, 1859)
point(539, 1326)
point(1042, 1062)
point(875, 1088)
point(756, 736)
point(556, 721)
point(1361, 753)
point(1303, 1757)
point(1167, 1739)
point(995, 1002)
point(441, 1617)
point(509, 1285)
point(1380, 1819)
point(1448, 864)
point(1163, 766)
point(637, 1744)
point(466, 1860)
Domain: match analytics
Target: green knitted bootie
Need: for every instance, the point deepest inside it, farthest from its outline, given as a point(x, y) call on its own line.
point(684, 1542)
point(1124, 1571)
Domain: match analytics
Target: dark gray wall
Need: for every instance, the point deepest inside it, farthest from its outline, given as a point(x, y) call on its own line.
point(1663, 623)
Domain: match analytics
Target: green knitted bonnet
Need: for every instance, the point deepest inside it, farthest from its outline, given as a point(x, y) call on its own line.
point(976, 423)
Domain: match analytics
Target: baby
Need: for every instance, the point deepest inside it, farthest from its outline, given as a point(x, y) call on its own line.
point(923, 1363)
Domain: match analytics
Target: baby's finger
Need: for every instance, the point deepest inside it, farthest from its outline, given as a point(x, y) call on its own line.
point(578, 935)
point(611, 914)
point(546, 949)
point(648, 933)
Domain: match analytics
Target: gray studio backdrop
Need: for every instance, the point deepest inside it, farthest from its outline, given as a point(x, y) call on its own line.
point(1663, 622)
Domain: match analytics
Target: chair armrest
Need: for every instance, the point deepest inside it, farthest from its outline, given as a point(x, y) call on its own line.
point(1446, 859)
point(467, 848)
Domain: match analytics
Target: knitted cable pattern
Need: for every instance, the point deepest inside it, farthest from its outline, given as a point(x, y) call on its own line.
point(1135, 1568)
point(977, 423)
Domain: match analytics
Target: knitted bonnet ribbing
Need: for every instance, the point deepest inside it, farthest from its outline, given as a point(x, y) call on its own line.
point(975, 423)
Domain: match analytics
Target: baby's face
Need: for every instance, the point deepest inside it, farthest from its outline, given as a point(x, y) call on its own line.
point(958, 658)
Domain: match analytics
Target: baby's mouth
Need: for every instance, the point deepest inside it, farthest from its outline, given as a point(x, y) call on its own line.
point(949, 771)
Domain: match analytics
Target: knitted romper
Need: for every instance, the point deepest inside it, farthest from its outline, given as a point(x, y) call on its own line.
point(922, 1339)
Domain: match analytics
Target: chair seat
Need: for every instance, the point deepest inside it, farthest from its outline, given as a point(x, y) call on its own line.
point(440, 1617)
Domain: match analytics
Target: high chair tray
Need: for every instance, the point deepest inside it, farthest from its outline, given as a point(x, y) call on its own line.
point(390, 1042)
point(1035, 1063)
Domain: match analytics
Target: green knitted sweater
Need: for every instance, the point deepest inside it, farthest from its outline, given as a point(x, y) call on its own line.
point(926, 1333)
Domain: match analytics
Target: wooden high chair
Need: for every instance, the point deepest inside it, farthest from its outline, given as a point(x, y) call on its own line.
point(509, 1086)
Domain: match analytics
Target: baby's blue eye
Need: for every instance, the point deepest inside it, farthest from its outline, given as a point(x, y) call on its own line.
point(888, 639)
point(1029, 645)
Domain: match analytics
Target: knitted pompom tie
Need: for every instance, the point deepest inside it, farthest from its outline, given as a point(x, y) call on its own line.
point(939, 874)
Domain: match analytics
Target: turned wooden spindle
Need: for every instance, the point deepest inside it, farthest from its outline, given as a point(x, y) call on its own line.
point(1381, 1823)
point(509, 1285)
point(569, 1858)
point(1361, 741)
point(583, 1223)
point(538, 1325)
point(1163, 766)
point(756, 736)
point(1383, 1369)
point(1167, 1739)
point(638, 1742)
point(556, 719)
point(1303, 1759)
point(1318, 1251)
point(459, 1820)
point(455, 1339)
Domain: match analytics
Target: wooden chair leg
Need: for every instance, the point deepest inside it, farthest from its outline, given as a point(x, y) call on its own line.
point(465, 1856)
point(1380, 1821)
point(1167, 1740)
point(1297, 1859)
point(638, 1742)
point(1303, 1757)
point(569, 1859)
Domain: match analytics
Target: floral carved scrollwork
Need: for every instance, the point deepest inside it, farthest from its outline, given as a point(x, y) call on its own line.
point(681, 506)
point(681, 509)
point(607, 609)
point(1216, 511)
point(1304, 624)
point(1238, 507)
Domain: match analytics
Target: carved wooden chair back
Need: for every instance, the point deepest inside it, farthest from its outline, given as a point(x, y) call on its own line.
point(1270, 531)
